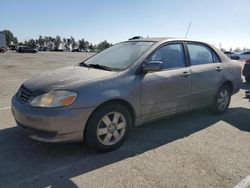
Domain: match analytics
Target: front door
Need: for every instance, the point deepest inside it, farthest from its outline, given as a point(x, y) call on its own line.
point(167, 91)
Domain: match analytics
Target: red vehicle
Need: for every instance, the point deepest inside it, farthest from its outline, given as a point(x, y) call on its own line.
point(2, 50)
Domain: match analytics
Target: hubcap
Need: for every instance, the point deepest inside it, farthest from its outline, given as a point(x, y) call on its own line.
point(111, 128)
point(223, 100)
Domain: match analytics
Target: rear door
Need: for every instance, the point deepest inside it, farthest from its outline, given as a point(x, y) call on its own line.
point(167, 91)
point(207, 73)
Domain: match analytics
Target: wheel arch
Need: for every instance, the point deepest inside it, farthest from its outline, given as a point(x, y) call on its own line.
point(118, 101)
point(228, 83)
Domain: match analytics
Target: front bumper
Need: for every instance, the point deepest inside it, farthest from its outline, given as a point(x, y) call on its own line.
point(50, 124)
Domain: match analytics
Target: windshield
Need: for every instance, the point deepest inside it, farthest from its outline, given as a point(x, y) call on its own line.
point(119, 56)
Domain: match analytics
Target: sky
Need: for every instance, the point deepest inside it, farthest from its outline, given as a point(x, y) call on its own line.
point(219, 22)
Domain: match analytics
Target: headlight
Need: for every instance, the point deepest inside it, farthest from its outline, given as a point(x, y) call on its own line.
point(57, 98)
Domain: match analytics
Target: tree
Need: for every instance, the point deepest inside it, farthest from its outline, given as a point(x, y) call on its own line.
point(91, 47)
point(103, 45)
point(41, 41)
point(81, 44)
point(20, 43)
point(73, 43)
point(237, 49)
point(57, 42)
point(10, 38)
point(86, 44)
point(46, 41)
point(31, 43)
point(53, 43)
point(15, 40)
point(68, 43)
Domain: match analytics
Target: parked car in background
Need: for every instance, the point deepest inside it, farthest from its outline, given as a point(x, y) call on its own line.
point(25, 49)
point(128, 84)
point(232, 55)
point(244, 55)
point(12, 47)
point(80, 50)
point(246, 70)
point(56, 50)
point(76, 50)
point(229, 53)
point(42, 48)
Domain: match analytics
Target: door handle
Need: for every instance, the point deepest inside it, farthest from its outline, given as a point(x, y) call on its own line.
point(218, 69)
point(185, 74)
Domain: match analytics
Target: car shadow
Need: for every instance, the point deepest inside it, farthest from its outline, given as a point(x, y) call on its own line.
point(27, 163)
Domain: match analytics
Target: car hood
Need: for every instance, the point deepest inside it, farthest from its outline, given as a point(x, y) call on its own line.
point(63, 77)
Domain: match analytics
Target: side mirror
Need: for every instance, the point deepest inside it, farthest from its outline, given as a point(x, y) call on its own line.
point(152, 66)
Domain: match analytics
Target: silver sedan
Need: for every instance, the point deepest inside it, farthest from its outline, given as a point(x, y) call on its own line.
point(126, 85)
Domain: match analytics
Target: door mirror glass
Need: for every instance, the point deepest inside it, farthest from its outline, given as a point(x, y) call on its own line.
point(152, 66)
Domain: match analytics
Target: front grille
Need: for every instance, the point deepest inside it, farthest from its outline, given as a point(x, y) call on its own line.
point(24, 95)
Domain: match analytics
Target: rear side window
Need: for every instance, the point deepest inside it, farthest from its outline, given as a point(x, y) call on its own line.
point(201, 54)
point(171, 55)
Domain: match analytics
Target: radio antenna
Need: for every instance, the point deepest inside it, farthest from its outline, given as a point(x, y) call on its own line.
point(188, 30)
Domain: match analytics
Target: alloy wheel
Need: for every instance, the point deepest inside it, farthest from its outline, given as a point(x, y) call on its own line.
point(111, 128)
point(223, 99)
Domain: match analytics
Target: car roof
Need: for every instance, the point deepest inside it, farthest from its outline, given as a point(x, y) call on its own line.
point(245, 52)
point(160, 40)
point(153, 39)
point(164, 39)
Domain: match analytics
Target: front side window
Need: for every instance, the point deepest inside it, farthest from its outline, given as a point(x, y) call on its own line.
point(200, 54)
point(171, 55)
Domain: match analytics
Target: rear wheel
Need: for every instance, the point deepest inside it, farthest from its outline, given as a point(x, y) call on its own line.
point(222, 100)
point(108, 127)
point(247, 78)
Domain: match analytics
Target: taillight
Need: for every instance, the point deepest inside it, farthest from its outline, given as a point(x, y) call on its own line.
point(248, 61)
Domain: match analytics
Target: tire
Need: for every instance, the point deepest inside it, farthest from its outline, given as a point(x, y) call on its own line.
point(222, 100)
point(247, 78)
point(103, 131)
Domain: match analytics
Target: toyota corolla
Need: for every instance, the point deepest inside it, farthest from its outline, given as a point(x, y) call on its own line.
point(126, 85)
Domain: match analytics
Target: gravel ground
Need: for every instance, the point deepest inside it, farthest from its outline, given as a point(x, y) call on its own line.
point(194, 149)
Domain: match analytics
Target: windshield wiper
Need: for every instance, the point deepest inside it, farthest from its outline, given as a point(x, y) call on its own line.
point(84, 65)
point(98, 66)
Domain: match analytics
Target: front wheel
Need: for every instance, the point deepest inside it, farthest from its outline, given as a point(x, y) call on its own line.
point(222, 100)
point(108, 127)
